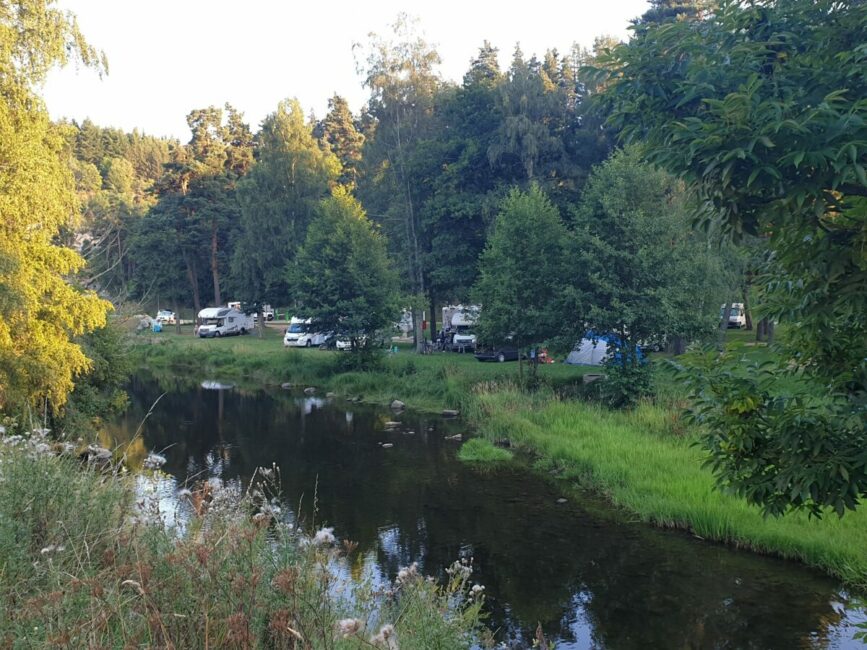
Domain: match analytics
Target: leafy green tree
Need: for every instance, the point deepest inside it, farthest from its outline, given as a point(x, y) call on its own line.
point(277, 201)
point(523, 285)
point(400, 74)
point(342, 275)
point(760, 108)
point(343, 138)
point(42, 311)
point(647, 276)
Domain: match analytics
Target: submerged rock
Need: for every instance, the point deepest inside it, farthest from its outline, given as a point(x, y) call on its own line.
point(287, 385)
point(561, 500)
point(457, 437)
point(397, 405)
point(450, 413)
point(387, 445)
point(154, 461)
point(310, 390)
point(330, 395)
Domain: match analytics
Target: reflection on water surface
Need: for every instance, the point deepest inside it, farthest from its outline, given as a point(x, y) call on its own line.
point(590, 577)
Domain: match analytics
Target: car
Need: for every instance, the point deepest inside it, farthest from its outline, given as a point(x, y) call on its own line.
point(498, 353)
point(166, 317)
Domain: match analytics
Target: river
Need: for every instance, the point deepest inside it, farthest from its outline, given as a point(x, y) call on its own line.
point(583, 570)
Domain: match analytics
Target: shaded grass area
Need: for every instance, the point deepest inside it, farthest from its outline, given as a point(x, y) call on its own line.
point(638, 460)
point(425, 382)
point(84, 565)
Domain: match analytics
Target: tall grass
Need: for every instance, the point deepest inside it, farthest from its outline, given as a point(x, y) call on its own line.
point(645, 461)
point(83, 566)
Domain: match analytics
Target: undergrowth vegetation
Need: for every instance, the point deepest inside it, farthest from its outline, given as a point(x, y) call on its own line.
point(84, 565)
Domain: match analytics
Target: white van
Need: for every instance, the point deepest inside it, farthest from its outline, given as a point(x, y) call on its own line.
point(222, 321)
point(301, 334)
point(737, 315)
point(462, 321)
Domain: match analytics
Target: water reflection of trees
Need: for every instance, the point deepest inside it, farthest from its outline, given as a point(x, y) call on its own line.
point(585, 578)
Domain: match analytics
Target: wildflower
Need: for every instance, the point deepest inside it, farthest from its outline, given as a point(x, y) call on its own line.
point(385, 638)
point(347, 627)
point(154, 461)
point(476, 591)
point(324, 537)
point(407, 573)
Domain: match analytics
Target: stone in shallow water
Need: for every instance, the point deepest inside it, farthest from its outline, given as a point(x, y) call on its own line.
point(309, 390)
point(562, 500)
point(397, 405)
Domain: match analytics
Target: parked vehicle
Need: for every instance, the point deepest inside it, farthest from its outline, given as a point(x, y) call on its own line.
point(499, 353)
point(214, 322)
point(166, 317)
point(301, 334)
point(267, 312)
point(737, 315)
point(460, 320)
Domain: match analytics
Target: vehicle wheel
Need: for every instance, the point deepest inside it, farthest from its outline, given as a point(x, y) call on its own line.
point(217, 334)
point(501, 357)
point(243, 331)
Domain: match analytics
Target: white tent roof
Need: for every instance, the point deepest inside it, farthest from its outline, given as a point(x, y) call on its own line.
point(588, 353)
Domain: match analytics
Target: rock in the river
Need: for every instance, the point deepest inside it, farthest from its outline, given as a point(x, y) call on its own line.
point(561, 500)
point(310, 390)
point(457, 437)
point(330, 395)
point(397, 405)
point(391, 424)
point(387, 445)
point(287, 386)
point(449, 413)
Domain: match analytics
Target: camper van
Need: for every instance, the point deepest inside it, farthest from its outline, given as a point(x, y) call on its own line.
point(461, 321)
point(301, 334)
point(222, 321)
point(737, 316)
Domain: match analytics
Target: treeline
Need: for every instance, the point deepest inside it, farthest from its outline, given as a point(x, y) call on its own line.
point(431, 162)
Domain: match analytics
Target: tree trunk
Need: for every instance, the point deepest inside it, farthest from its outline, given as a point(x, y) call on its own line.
point(678, 345)
point(761, 329)
point(418, 333)
point(193, 277)
point(215, 272)
point(748, 280)
point(770, 331)
point(177, 317)
point(433, 319)
point(724, 326)
point(260, 322)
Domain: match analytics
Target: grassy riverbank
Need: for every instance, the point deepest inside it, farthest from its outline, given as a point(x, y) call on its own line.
point(424, 382)
point(84, 565)
point(643, 460)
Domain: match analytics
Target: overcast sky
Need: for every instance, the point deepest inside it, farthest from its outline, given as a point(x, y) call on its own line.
point(167, 57)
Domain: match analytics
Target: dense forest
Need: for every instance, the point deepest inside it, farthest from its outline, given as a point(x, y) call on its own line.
point(431, 162)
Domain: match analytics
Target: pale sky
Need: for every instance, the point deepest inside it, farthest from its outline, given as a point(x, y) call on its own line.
point(167, 57)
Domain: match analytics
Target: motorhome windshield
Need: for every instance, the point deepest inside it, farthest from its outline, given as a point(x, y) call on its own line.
point(297, 328)
point(464, 329)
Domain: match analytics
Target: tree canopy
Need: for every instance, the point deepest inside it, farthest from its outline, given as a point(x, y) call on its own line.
point(760, 108)
point(42, 310)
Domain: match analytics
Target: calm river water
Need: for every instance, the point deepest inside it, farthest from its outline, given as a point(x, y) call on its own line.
point(591, 577)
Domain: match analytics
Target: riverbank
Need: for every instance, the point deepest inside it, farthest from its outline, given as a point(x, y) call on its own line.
point(644, 461)
point(89, 562)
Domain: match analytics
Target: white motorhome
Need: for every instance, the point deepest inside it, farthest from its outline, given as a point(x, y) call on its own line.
point(301, 334)
point(222, 321)
point(737, 315)
point(461, 321)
